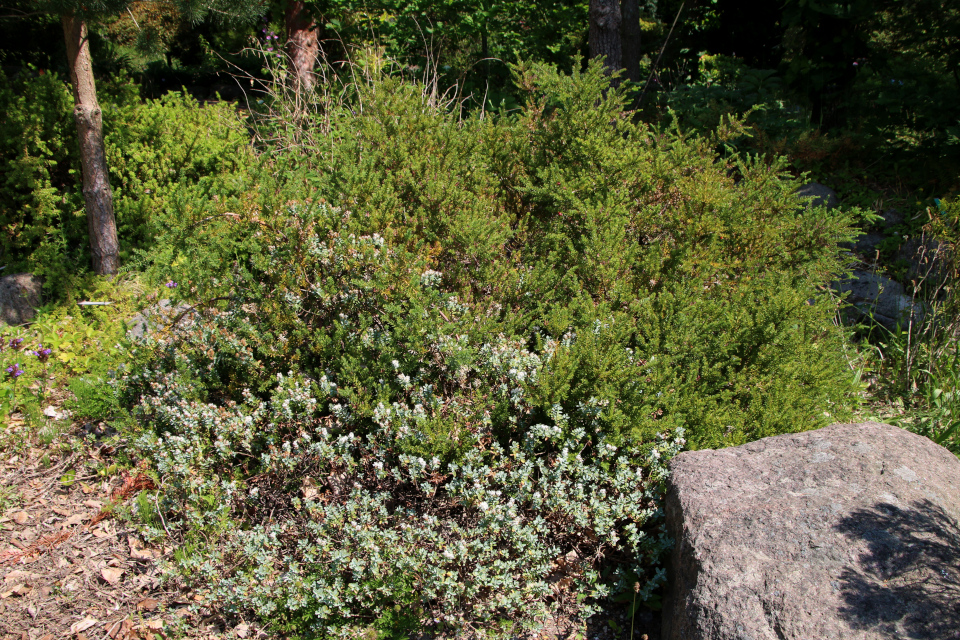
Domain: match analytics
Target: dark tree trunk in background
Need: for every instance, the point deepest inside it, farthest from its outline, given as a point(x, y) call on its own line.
point(630, 38)
point(97, 194)
point(605, 32)
point(303, 45)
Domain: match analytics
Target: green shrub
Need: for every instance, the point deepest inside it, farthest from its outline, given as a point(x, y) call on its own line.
point(41, 206)
point(157, 146)
point(490, 330)
point(151, 148)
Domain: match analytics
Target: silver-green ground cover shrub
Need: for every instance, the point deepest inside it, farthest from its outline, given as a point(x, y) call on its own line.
point(437, 361)
point(341, 527)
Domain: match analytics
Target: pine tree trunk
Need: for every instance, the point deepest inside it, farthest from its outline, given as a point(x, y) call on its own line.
point(630, 38)
point(303, 45)
point(605, 32)
point(97, 194)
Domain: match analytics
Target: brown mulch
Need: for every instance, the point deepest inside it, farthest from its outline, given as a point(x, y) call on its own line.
point(69, 567)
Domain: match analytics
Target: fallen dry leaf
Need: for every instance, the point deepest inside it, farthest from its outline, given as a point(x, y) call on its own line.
point(119, 629)
point(139, 551)
point(100, 533)
point(87, 489)
point(241, 630)
point(83, 625)
point(147, 605)
point(19, 591)
point(18, 576)
point(20, 517)
point(51, 412)
point(111, 575)
point(93, 504)
point(156, 624)
point(75, 519)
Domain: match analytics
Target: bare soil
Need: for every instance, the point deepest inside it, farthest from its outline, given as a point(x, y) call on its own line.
point(70, 566)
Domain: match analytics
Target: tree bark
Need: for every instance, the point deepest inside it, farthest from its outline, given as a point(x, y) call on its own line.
point(630, 38)
point(97, 194)
point(605, 32)
point(303, 45)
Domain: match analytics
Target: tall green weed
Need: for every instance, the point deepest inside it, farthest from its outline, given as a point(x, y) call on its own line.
point(920, 363)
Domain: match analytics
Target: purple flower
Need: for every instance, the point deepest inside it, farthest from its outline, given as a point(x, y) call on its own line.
point(42, 354)
point(14, 371)
point(171, 285)
point(269, 48)
point(16, 343)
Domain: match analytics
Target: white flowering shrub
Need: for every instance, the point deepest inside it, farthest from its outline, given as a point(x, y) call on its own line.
point(323, 523)
point(436, 364)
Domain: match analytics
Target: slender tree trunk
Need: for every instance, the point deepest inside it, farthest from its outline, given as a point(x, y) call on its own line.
point(303, 45)
point(630, 38)
point(605, 32)
point(97, 194)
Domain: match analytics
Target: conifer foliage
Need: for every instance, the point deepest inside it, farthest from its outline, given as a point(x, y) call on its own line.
point(436, 363)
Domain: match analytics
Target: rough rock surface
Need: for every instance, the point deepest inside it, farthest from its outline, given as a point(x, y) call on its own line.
point(153, 318)
point(867, 244)
point(926, 259)
point(880, 298)
point(850, 532)
point(19, 298)
point(891, 218)
point(822, 196)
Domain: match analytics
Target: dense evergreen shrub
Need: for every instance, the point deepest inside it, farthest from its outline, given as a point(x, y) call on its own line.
point(476, 326)
point(151, 148)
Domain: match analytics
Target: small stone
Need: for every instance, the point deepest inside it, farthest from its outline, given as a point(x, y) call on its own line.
point(19, 298)
point(820, 195)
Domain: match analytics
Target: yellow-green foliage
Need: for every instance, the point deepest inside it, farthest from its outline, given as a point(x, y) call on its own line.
point(151, 147)
point(79, 346)
point(486, 326)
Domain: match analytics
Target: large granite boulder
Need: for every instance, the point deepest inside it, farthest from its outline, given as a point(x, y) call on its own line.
point(19, 298)
point(850, 532)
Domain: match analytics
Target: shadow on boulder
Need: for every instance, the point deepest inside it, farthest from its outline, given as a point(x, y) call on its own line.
point(907, 582)
point(878, 298)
